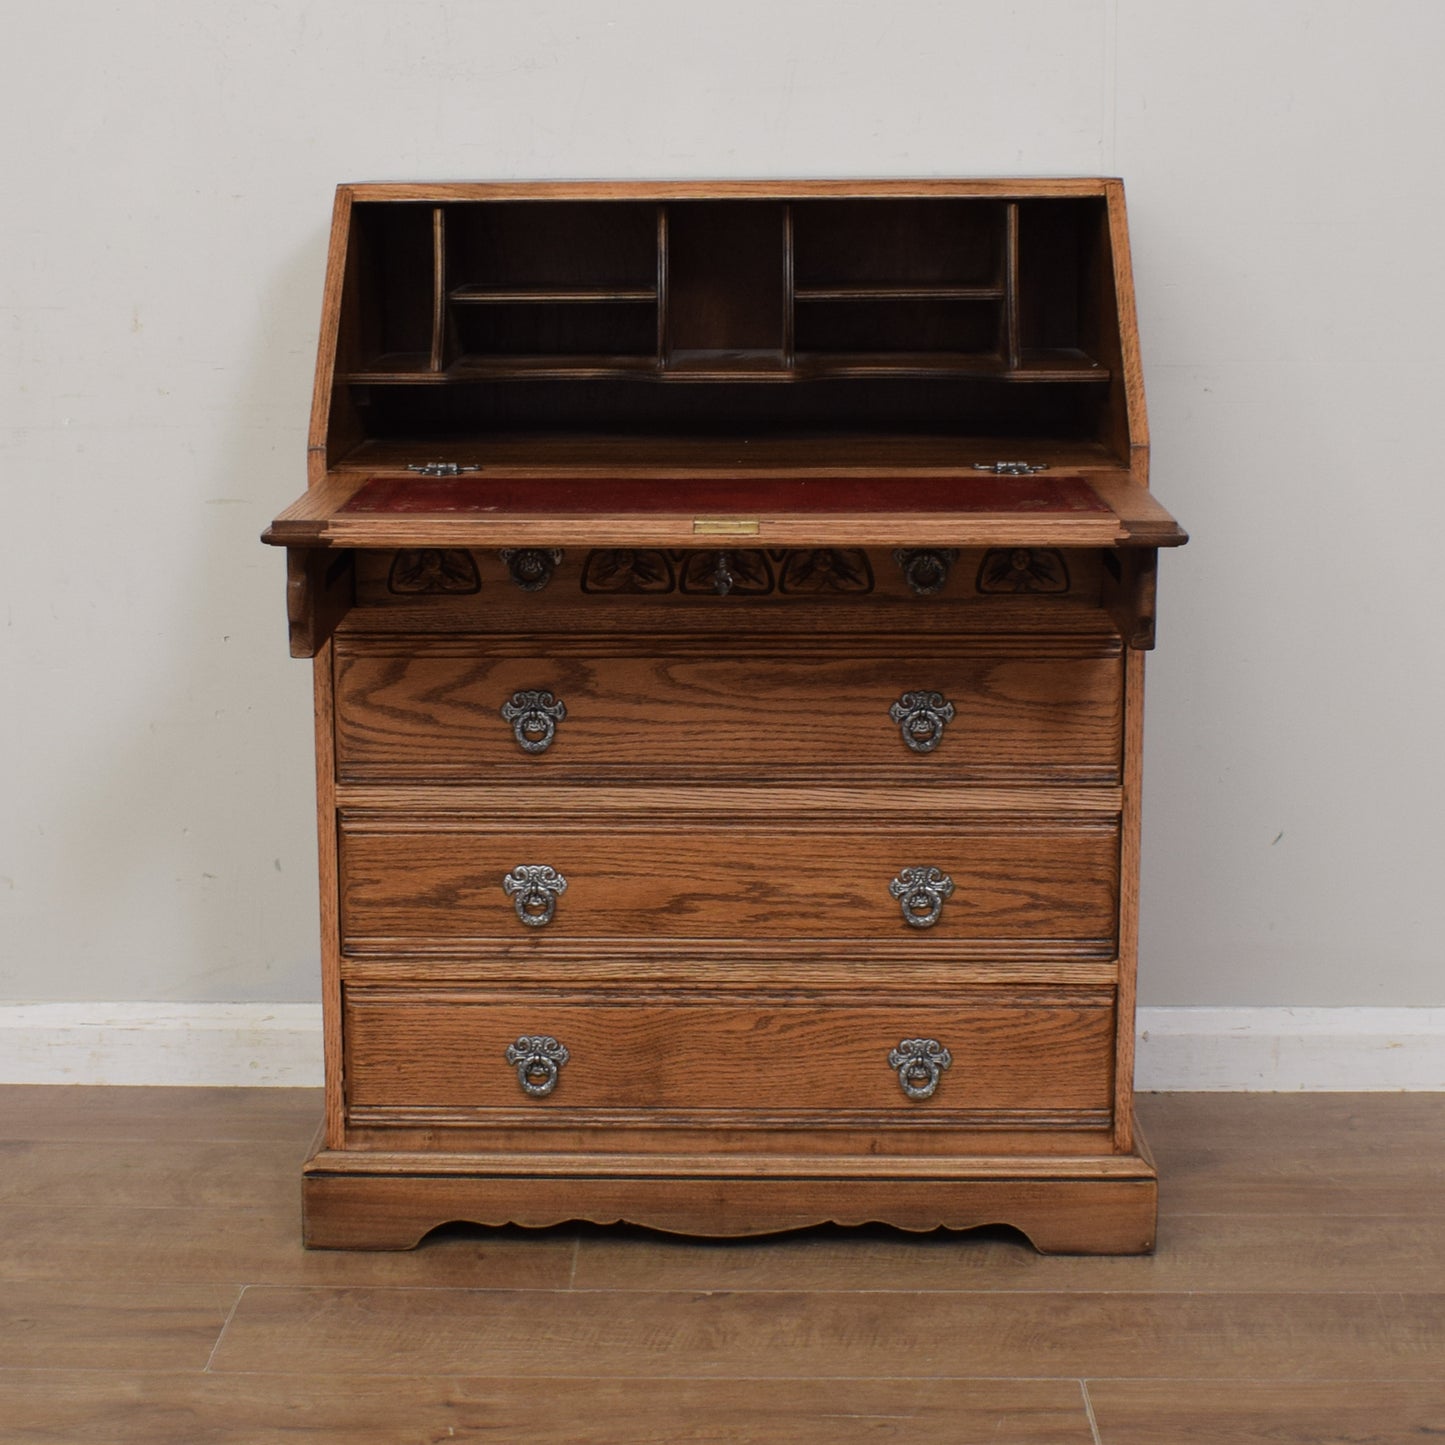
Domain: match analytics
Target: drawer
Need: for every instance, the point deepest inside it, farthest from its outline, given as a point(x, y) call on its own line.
point(408, 880)
point(987, 708)
point(981, 1052)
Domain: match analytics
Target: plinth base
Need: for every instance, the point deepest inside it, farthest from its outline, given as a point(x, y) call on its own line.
point(1071, 1205)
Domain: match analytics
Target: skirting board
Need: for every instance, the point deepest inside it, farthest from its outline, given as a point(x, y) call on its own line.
point(1237, 1049)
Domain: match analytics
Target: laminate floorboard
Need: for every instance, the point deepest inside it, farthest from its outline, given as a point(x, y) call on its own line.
point(905, 1334)
point(103, 1243)
point(131, 1325)
point(1186, 1412)
point(1206, 1252)
point(85, 1112)
point(141, 1175)
point(153, 1289)
point(78, 1408)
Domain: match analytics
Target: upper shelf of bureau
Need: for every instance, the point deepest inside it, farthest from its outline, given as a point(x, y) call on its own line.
point(758, 313)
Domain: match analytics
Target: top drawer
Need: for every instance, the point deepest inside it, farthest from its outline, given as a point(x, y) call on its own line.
point(467, 707)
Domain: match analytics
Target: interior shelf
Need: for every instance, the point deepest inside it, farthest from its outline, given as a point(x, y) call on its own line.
point(550, 295)
point(481, 366)
point(396, 366)
point(1060, 364)
point(884, 291)
point(1063, 366)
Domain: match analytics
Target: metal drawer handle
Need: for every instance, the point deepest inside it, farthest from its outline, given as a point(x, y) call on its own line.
point(539, 1059)
point(926, 569)
point(534, 889)
point(920, 893)
point(920, 1064)
point(534, 717)
point(921, 717)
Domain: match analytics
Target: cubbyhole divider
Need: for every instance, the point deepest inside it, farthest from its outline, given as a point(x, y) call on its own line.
point(439, 289)
point(789, 293)
point(1011, 348)
point(662, 283)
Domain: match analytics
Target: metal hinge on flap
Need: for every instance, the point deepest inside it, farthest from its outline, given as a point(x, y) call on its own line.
point(440, 469)
point(1011, 469)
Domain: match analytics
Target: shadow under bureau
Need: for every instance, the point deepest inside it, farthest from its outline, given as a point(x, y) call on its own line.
point(728, 604)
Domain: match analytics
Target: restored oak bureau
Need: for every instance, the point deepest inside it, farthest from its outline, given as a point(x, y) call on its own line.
point(728, 604)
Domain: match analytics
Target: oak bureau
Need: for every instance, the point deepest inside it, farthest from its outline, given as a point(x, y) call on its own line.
point(728, 603)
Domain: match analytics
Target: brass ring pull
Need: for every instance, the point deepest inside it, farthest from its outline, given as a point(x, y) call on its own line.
point(534, 717)
point(920, 1064)
point(534, 889)
point(538, 1059)
point(921, 717)
point(921, 893)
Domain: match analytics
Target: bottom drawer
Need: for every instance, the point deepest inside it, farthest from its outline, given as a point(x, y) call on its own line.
point(1016, 1052)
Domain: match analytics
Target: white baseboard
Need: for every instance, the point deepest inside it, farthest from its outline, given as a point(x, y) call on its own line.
point(1278, 1050)
point(1239, 1049)
point(160, 1043)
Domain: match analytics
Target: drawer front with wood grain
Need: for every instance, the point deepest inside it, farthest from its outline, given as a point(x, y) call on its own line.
point(979, 1053)
point(456, 882)
point(1032, 709)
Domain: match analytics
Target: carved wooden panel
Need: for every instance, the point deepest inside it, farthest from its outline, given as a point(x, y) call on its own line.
point(429, 570)
point(1023, 569)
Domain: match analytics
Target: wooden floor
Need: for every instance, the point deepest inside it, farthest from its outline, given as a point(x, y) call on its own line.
point(152, 1289)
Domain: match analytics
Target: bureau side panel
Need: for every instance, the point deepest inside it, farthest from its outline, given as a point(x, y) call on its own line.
point(1129, 846)
point(326, 851)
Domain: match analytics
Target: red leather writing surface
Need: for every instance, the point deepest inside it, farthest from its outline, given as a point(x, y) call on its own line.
point(725, 496)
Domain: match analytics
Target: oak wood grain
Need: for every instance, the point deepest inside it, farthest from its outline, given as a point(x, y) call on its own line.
point(1059, 1214)
point(699, 190)
point(1129, 859)
point(819, 801)
point(324, 403)
point(677, 529)
point(320, 590)
point(411, 1046)
point(444, 880)
point(323, 673)
point(431, 708)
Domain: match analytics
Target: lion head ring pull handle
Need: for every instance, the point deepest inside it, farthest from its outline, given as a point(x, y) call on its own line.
point(538, 1059)
point(534, 889)
point(534, 717)
point(921, 717)
point(920, 1064)
point(921, 893)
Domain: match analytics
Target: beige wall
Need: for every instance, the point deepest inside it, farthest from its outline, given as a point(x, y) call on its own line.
point(168, 170)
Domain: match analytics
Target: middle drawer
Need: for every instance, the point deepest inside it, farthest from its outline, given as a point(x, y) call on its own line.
point(408, 879)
